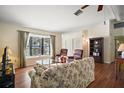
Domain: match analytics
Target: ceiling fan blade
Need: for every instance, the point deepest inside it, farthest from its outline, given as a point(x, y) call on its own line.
point(100, 7)
point(84, 6)
point(78, 12)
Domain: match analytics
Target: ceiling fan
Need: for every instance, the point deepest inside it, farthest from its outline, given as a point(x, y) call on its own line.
point(80, 11)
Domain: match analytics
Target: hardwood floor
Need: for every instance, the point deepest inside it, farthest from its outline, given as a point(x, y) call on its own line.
point(104, 77)
point(22, 79)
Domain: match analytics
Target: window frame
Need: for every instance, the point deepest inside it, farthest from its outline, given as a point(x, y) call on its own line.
point(29, 45)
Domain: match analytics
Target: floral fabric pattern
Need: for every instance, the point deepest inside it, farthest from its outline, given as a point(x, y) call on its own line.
point(77, 74)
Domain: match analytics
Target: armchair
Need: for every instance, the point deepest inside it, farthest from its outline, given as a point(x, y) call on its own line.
point(78, 53)
point(62, 52)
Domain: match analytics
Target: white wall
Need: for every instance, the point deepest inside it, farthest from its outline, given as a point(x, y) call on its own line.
point(9, 37)
point(72, 40)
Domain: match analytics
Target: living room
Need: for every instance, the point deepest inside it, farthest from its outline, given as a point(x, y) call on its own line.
point(23, 25)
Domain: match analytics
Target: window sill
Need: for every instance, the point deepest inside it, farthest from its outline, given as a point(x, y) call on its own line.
point(43, 56)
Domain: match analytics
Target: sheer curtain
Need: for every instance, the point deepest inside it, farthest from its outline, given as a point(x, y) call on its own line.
point(23, 38)
point(53, 45)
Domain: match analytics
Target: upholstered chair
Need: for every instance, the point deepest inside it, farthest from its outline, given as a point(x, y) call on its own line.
point(78, 53)
point(63, 52)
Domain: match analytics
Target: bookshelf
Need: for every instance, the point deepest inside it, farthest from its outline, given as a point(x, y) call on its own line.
point(97, 49)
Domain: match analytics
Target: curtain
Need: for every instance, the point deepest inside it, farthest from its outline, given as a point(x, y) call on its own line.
point(53, 45)
point(23, 38)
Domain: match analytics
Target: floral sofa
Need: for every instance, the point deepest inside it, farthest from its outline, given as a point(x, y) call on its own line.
point(76, 74)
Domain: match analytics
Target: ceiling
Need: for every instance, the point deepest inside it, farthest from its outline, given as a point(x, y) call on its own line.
point(53, 18)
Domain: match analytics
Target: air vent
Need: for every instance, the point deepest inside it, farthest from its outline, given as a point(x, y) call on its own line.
point(119, 25)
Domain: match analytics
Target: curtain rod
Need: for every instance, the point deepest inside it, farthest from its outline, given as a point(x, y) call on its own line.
point(33, 32)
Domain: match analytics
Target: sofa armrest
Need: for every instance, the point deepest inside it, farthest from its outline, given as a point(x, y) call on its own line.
point(32, 73)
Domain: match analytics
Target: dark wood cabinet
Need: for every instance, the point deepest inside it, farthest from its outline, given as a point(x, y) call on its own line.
point(97, 49)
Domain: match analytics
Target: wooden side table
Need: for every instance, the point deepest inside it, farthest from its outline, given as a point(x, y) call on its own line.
point(118, 62)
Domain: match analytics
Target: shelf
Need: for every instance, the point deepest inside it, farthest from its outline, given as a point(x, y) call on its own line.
point(96, 46)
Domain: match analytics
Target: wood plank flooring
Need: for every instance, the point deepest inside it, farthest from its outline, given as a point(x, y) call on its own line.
point(104, 77)
point(22, 79)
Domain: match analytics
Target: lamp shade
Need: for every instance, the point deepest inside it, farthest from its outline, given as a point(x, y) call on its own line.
point(121, 47)
point(10, 55)
point(9, 51)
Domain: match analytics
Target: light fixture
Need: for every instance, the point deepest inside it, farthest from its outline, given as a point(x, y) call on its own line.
point(121, 48)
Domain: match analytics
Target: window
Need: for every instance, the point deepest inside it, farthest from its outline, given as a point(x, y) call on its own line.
point(38, 45)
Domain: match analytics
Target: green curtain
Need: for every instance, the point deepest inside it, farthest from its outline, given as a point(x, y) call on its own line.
point(53, 45)
point(23, 38)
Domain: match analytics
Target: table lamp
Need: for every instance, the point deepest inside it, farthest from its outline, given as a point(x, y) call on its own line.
point(121, 48)
point(10, 55)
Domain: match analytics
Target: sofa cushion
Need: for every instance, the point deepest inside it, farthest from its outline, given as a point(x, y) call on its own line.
point(39, 69)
